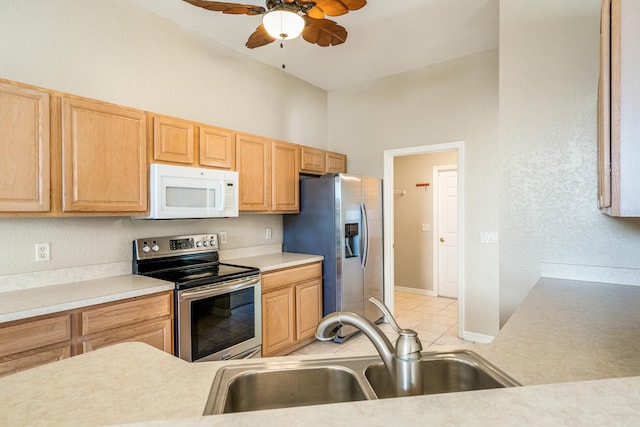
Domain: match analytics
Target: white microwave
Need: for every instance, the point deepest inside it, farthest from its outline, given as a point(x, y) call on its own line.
point(186, 192)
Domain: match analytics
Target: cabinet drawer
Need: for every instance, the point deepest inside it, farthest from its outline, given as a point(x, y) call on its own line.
point(125, 313)
point(34, 334)
point(273, 280)
point(33, 360)
point(157, 334)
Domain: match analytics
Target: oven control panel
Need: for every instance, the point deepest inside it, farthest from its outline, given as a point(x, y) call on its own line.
point(152, 247)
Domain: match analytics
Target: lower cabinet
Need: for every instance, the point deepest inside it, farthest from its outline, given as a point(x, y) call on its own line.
point(291, 308)
point(39, 340)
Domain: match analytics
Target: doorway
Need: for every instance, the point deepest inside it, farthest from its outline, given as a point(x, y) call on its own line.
point(392, 192)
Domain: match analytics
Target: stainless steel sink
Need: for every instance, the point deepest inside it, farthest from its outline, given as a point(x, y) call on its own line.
point(282, 384)
point(445, 373)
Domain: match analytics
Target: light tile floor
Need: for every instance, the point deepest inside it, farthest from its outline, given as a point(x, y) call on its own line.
point(435, 319)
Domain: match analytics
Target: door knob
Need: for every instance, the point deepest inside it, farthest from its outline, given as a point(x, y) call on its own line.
point(442, 239)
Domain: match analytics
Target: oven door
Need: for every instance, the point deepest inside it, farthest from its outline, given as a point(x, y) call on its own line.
point(220, 321)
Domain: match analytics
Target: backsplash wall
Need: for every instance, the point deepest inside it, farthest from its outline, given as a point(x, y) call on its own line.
point(79, 242)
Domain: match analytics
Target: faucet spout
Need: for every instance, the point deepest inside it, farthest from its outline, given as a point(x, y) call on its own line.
point(329, 325)
point(404, 362)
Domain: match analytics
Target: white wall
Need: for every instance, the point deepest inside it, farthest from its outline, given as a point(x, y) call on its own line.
point(453, 101)
point(549, 219)
point(117, 52)
point(413, 246)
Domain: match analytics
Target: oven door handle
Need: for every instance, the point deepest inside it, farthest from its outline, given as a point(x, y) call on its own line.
point(217, 289)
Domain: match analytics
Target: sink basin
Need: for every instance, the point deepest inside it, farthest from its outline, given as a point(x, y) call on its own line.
point(268, 384)
point(444, 373)
point(283, 387)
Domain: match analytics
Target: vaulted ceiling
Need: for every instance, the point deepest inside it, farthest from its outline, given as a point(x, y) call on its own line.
point(385, 37)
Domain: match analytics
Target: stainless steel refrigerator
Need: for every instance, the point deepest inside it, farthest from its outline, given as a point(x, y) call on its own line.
point(341, 218)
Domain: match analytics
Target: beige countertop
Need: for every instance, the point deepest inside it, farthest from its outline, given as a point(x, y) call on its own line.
point(564, 332)
point(275, 261)
point(15, 305)
point(24, 303)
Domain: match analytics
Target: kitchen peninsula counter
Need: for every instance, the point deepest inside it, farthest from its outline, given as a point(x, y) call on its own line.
point(597, 327)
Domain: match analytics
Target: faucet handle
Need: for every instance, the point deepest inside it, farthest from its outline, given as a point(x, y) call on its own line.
point(385, 310)
point(408, 345)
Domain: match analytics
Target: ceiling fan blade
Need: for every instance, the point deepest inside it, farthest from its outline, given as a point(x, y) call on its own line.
point(323, 32)
point(259, 38)
point(316, 13)
point(231, 8)
point(339, 7)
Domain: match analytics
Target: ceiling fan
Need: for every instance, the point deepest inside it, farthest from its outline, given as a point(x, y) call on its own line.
point(287, 19)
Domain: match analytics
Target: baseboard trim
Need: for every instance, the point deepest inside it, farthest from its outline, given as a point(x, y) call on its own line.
point(408, 290)
point(590, 273)
point(475, 337)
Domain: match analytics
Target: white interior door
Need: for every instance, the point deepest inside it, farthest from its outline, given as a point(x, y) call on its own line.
point(447, 211)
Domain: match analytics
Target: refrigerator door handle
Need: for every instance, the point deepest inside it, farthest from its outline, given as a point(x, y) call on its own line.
point(365, 237)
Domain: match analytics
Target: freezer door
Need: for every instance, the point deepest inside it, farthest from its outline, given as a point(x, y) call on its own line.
point(372, 224)
point(349, 192)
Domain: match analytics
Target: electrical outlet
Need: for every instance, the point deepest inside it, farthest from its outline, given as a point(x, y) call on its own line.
point(267, 233)
point(42, 252)
point(223, 237)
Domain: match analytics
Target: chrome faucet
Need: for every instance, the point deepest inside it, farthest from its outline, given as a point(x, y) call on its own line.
point(403, 363)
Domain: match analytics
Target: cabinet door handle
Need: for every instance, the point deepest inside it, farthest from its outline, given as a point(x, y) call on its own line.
point(442, 240)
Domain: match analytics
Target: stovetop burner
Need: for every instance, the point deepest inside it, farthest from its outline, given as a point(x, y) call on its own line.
point(187, 261)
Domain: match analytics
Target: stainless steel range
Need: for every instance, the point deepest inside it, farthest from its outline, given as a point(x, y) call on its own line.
point(217, 306)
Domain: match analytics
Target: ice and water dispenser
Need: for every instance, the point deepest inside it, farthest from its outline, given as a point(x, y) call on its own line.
point(352, 242)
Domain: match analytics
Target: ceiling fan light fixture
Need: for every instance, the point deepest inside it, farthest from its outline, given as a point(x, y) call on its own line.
point(283, 24)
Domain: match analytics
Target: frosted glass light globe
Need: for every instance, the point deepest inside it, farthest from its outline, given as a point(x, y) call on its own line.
point(283, 24)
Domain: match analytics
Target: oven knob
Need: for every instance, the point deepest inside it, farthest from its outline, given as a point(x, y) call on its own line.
point(206, 243)
point(155, 248)
point(199, 244)
point(213, 242)
point(146, 249)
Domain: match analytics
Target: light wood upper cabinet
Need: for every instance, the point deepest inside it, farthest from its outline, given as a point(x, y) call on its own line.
point(285, 178)
point(268, 175)
point(186, 143)
point(173, 140)
point(217, 147)
point(314, 161)
point(253, 162)
point(336, 162)
point(25, 145)
point(619, 109)
point(103, 157)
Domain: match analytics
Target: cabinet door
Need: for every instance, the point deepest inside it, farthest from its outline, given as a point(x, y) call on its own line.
point(308, 308)
point(336, 163)
point(253, 162)
point(278, 317)
point(618, 106)
point(312, 160)
point(173, 140)
point(104, 157)
point(284, 171)
point(217, 148)
point(158, 334)
point(24, 144)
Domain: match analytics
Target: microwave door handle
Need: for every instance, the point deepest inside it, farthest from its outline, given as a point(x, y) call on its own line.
point(217, 289)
